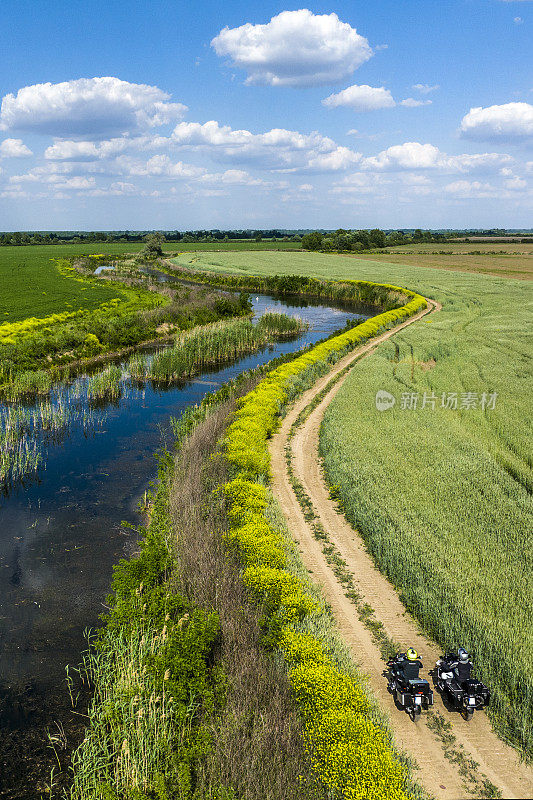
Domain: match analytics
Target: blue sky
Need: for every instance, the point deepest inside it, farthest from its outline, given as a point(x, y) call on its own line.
point(254, 115)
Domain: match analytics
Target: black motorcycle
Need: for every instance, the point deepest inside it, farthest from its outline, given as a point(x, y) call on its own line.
point(411, 693)
point(464, 695)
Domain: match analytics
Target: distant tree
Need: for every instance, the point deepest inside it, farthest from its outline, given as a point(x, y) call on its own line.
point(377, 238)
point(153, 245)
point(259, 236)
point(312, 241)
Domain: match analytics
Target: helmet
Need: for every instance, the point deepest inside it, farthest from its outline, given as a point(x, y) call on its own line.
point(411, 654)
point(462, 655)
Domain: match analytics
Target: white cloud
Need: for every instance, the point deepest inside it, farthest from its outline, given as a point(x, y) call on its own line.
point(515, 184)
point(477, 162)
point(471, 189)
point(425, 88)
point(506, 123)
point(410, 155)
point(233, 177)
point(158, 166)
point(116, 189)
point(360, 183)
point(69, 150)
point(414, 155)
point(275, 149)
point(296, 48)
point(14, 148)
point(91, 108)
point(339, 159)
point(410, 102)
point(73, 150)
point(58, 180)
point(361, 98)
point(518, 20)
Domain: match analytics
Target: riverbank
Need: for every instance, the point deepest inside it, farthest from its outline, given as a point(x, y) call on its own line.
point(51, 586)
point(387, 771)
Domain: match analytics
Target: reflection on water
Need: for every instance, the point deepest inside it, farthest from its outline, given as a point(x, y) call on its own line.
point(61, 534)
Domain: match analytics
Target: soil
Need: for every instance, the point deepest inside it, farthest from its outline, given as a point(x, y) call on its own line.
point(439, 775)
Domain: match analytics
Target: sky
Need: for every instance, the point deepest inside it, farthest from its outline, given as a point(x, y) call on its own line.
point(173, 115)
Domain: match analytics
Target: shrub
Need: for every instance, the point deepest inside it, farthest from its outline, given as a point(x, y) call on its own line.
point(351, 755)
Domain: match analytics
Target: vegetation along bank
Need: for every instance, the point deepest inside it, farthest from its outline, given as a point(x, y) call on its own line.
point(171, 697)
point(451, 523)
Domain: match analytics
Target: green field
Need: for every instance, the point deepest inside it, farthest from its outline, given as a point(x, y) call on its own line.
point(443, 496)
point(30, 285)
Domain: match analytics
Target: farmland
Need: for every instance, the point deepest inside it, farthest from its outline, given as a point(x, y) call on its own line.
point(508, 259)
point(46, 291)
point(441, 496)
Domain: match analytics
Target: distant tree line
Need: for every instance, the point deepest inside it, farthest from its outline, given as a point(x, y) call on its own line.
point(343, 240)
point(88, 237)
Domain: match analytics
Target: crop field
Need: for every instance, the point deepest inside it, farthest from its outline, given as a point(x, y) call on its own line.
point(46, 291)
point(509, 259)
point(442, 495)
point(32, 286)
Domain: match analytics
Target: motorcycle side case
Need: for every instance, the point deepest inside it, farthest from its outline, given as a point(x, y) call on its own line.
point(404, 698)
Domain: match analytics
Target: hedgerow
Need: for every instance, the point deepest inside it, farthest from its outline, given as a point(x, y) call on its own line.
point(350, 753)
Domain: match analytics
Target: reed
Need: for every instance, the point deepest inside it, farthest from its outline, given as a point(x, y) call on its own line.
point(209, 345)
point(25, 433)
point(31, 383)
point(106, 385)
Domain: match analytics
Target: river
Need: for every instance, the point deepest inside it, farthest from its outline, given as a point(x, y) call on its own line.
point(61, 533)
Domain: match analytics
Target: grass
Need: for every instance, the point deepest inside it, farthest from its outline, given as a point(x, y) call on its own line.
point(510, 259)
point(208, 345)
point(46, 291)
point(32, 286)
point(442, 497)
point(25, 432)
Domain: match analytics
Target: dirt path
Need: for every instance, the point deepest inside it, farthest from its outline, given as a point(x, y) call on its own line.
point(498, 762)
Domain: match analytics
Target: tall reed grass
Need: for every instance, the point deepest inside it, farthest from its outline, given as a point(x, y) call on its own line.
point(208, 345)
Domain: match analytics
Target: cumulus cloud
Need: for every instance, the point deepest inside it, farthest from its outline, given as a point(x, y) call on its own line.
point(414, 156)
point(69, 150)
point(360, 183)
point(14, 148)
point(425, 88)
point(233, 177)
point(296, 48)
point(83, 150)
point(158, 166)
point(90, 108)
point(339, 159)
point(275, 149)
point(410, 102)
point(410, 155)
point(506, 123)
point(471, 189)
point(515, 183)
point(116, 189)
point(59, 180)
point(361, 98)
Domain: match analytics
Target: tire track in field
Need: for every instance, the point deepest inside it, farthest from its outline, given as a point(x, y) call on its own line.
point(497, 761)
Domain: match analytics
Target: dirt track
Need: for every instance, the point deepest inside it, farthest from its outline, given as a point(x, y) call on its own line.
point(497, 762)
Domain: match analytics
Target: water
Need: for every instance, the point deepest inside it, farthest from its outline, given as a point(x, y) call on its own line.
point(103, 268)
point(61, 533)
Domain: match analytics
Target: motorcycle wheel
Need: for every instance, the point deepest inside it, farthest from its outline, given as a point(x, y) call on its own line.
point(468, 714)
point(415, 713)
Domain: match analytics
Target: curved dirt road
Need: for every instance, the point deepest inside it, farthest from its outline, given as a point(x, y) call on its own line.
point(437, 773)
